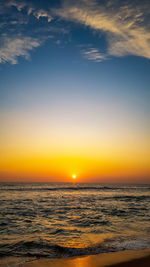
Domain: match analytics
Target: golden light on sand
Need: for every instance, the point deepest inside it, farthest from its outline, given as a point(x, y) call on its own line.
point(74, 176)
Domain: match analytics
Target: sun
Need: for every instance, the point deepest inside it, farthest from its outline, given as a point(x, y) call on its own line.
point(74, 176)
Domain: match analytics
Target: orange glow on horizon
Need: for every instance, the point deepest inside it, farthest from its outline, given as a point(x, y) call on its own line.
point(96, 154)
point(89, 170)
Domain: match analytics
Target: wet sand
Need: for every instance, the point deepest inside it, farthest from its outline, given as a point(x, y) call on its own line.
point(142, 262)
point(126, 258)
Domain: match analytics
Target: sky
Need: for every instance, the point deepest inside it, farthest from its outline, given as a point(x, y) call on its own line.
point(75, 91)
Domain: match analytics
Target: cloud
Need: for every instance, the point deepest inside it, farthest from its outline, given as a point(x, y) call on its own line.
point(41, 13)
point(13, 47)
point(31, 9)
point(124, 25)
point(18, 4)
point(93, 54)
point(19, 33)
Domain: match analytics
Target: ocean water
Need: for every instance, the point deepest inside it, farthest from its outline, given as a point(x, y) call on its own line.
point(61, 220)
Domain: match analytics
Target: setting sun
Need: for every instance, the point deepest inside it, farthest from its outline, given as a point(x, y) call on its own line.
point(74, 176)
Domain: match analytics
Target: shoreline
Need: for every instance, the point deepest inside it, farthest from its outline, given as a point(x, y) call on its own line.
point(111, 259)
point(126, 258)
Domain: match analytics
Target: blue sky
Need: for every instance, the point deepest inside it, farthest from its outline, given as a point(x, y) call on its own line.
point(83, 62)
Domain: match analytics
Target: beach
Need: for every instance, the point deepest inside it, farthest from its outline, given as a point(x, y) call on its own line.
point(125, 258)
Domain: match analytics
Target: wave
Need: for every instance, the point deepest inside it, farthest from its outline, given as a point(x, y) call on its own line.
point(44, 249)
point(55, 188)
point(71, 188)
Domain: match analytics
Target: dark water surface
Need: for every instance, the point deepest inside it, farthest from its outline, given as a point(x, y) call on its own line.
point(62, 220)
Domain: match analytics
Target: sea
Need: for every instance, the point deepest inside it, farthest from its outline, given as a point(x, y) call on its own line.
point(60, 220)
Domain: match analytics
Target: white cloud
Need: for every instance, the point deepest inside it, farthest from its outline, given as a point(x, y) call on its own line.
point(93, 55)
point(124, 26)
point(13, 47)
point(38, 13)
point(42, 13)
point(18, 4)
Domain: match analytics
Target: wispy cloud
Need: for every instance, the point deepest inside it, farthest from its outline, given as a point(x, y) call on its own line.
point(42, 13)
point(124, 26)
point(18, 4)
point(92, 54)
point(31, 9)
point(13, 47)
point(19, 33)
